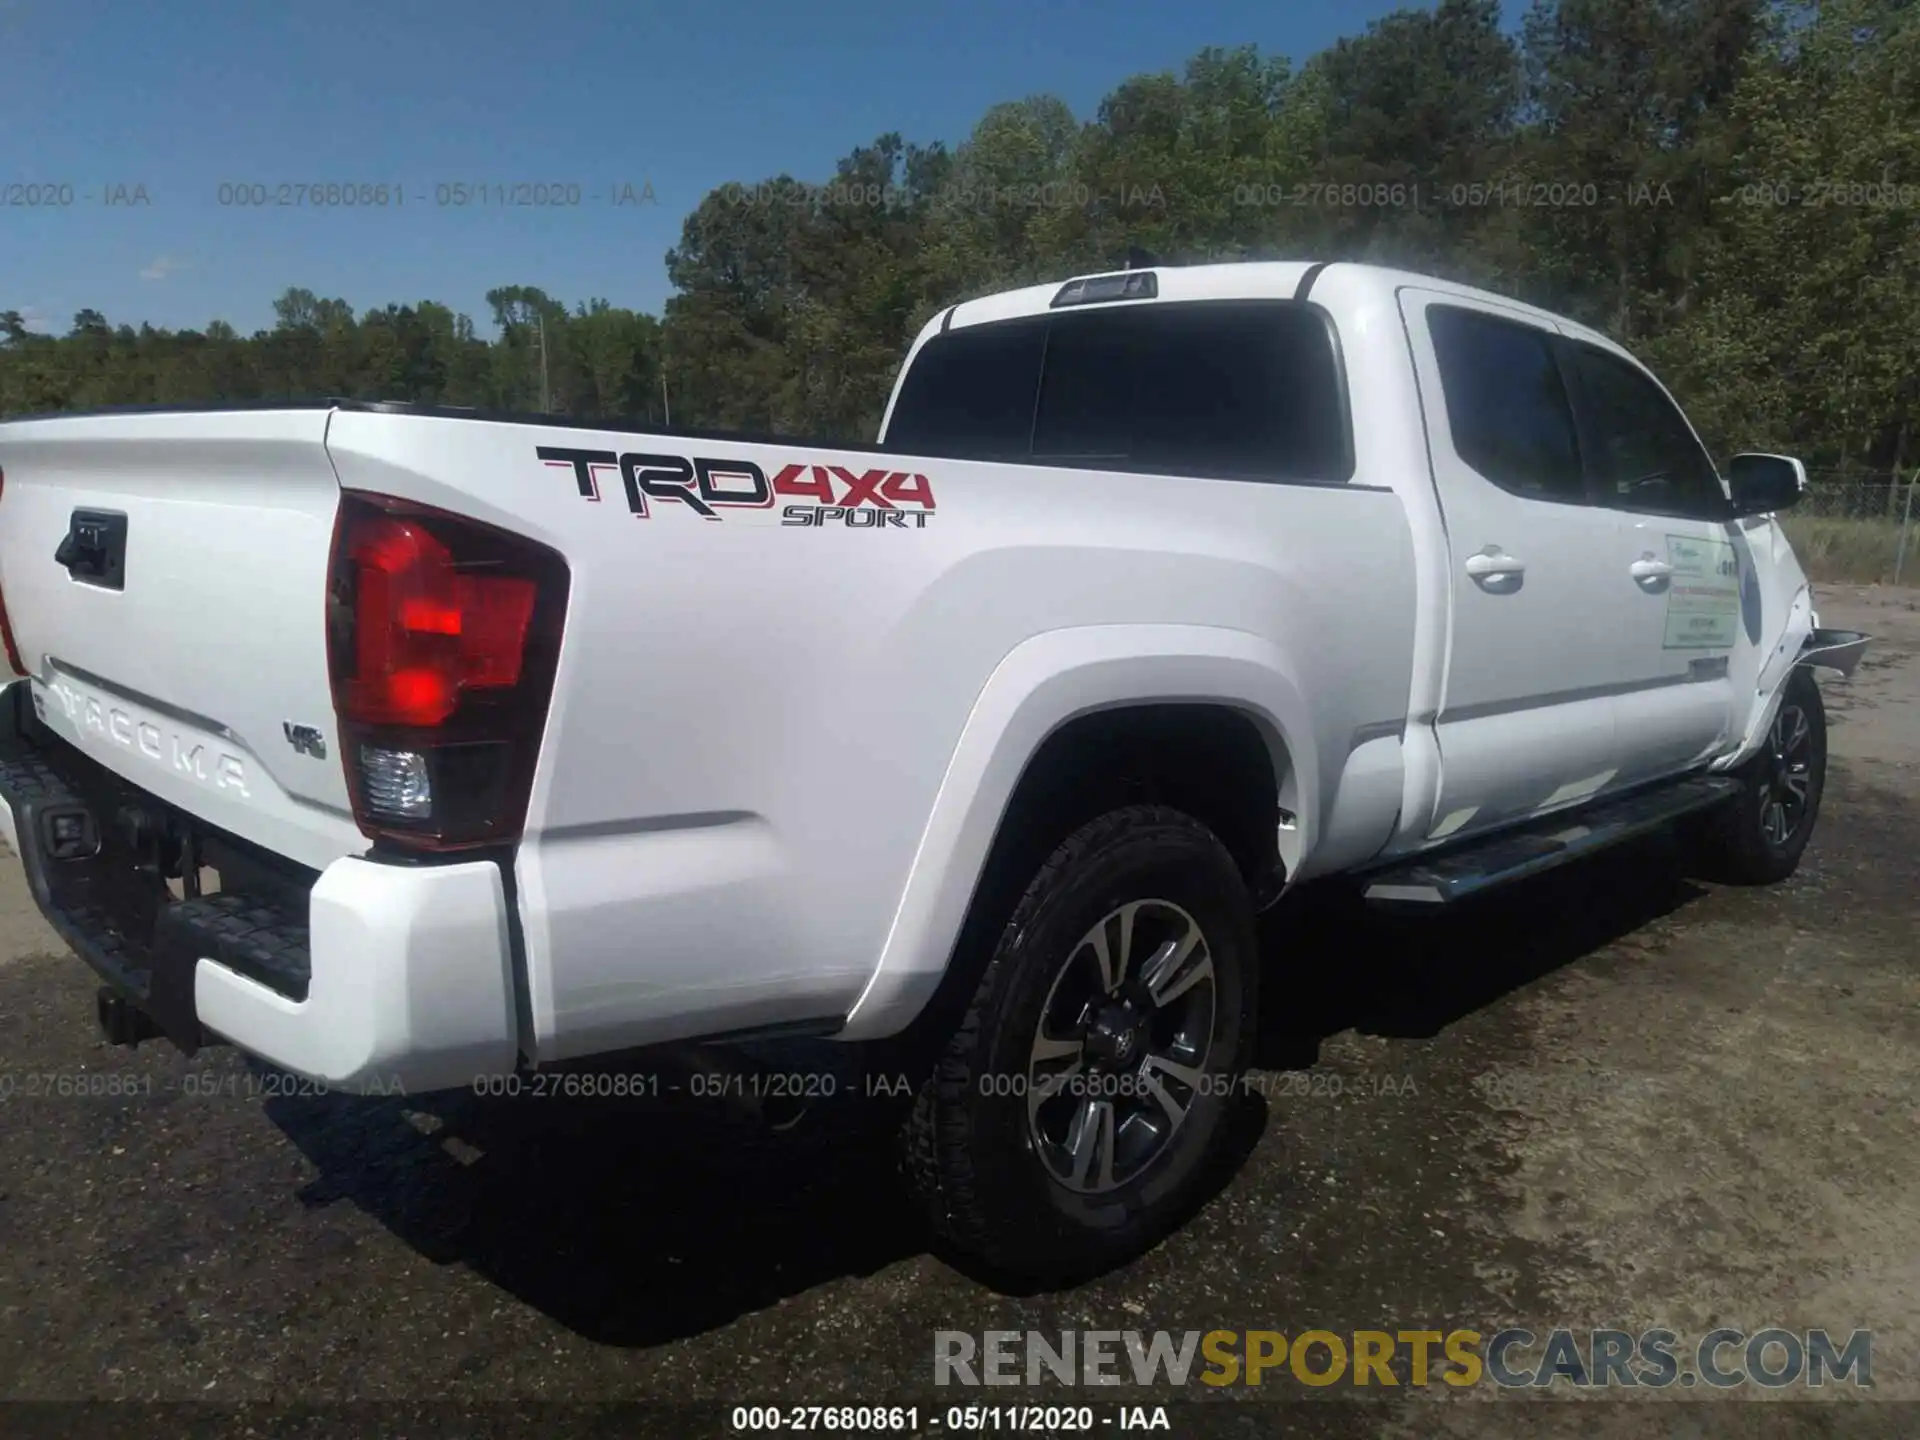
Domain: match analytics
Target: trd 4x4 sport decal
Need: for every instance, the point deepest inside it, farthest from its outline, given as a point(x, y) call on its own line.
point(874, 499)
point(871, 499)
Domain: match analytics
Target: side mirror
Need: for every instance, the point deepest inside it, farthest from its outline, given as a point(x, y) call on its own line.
point(1763, 483)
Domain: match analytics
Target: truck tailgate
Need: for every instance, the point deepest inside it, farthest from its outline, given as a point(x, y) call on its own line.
point(192, 665)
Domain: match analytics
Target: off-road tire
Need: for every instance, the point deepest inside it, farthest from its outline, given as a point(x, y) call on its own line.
point(969, 1154)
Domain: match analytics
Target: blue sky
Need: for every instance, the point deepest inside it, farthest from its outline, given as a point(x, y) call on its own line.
point(180, 98)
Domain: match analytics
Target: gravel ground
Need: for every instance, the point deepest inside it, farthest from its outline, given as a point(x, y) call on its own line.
point(1616, 1099)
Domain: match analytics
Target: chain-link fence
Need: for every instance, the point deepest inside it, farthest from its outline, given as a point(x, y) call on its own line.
point(1840, 498)
point(1852, 527)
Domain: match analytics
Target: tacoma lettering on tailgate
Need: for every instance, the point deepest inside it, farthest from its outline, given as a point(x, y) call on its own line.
point(181, 753)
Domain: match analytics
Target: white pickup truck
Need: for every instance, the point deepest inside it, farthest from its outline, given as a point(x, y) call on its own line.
point(400, 745)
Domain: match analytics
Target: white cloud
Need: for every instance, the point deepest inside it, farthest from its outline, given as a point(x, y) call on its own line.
point(162, 267)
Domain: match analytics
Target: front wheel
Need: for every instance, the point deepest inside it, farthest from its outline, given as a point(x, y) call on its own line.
point(1757, 838)
point(1071, 1119)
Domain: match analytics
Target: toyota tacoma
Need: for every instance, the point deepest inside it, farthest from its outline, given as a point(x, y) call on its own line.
point(395, 744)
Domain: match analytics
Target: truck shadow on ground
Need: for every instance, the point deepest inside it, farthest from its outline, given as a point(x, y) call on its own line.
point(1334, 965)
point(638, 1221)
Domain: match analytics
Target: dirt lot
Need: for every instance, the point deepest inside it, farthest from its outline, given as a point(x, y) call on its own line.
point(1620, 1099)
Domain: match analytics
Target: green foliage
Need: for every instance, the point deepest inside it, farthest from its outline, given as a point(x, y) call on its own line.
point(1864, 551)
point(1729, 186)
point(599, 360)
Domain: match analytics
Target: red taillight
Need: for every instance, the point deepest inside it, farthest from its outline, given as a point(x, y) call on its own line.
point(443, 635)
point(6, 625)
point(424, 631)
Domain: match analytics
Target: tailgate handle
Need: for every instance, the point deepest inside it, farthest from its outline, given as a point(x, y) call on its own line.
point(95, 550)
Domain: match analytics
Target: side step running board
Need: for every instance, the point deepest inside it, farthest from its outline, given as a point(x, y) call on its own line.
point(1479, 866)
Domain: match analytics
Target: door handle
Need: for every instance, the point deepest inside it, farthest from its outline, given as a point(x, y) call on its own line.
point(1648, 568)
point(94, 551)
point(1493, 563)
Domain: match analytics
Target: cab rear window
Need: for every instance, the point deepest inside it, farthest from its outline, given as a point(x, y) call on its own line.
point(1231, 389)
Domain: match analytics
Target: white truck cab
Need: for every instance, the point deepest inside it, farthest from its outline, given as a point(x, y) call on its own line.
point(404, 746)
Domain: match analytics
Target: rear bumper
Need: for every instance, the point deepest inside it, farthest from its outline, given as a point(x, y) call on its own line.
point(368, 976)
point(411, 984)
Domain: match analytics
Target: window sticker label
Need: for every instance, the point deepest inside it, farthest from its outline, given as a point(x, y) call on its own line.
point(1703, 599)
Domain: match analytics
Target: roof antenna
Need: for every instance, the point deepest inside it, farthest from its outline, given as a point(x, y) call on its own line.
point(1138, 259)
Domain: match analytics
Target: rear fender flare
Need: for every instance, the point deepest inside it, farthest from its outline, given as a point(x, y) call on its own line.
point(1042, 684)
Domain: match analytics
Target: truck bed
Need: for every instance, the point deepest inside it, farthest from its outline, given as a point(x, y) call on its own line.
point(794, 687)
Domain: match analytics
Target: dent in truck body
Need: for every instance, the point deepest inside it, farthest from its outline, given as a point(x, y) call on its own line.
point(1776, 614)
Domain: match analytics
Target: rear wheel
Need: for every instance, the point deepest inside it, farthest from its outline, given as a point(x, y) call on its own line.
point(1070, 1121)
point(1758, 838)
